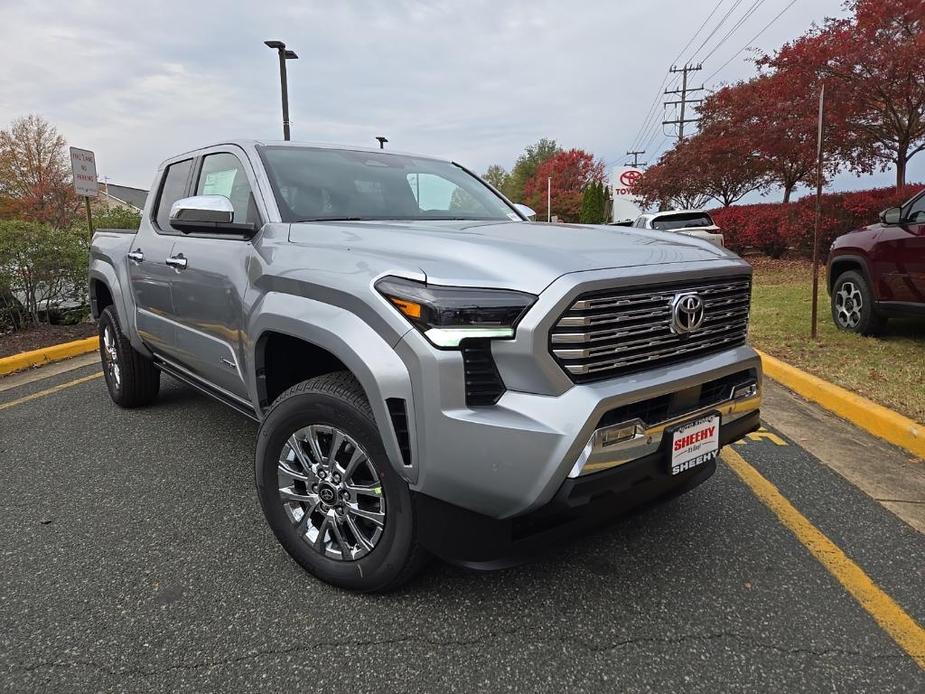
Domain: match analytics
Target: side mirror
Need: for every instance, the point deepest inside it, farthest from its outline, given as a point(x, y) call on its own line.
point(525, 211)
point(206, 213)
point(891, 215)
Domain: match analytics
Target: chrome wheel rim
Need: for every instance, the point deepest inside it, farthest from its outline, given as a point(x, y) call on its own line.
point(848, 305)
point(331, 492)
point(111, 357)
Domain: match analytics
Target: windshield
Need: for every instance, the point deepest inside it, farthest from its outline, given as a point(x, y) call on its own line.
point(317, 184)
point(689, 220)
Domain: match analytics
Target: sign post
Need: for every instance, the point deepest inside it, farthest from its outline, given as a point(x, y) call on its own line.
point(812, 330)
point(83, 167)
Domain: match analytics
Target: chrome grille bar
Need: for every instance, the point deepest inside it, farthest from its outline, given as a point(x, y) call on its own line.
point(610, 333)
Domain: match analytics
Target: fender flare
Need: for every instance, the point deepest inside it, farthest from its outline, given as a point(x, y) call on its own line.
point(371, 359)
point(852, 258)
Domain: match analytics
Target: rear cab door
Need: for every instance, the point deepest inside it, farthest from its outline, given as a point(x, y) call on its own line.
point(149, 275)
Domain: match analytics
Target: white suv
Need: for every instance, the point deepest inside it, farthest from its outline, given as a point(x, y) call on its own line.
point(689, 222)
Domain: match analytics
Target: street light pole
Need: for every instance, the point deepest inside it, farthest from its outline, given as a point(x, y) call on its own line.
point(382, 141)
point(284, 55)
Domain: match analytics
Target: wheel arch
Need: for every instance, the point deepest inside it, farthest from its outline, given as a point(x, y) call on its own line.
point(843, 263)
point(334, 339)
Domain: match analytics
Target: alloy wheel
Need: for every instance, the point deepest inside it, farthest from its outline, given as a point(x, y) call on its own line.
point(848, 305)
point(331, 492)
point(111, 357)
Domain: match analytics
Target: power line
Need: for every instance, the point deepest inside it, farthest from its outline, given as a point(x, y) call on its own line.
point(744, 18)
point(751, 40)
point(722, 20)
point(643, 129)
point(652, 121)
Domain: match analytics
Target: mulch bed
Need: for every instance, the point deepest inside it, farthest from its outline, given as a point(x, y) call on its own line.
point(43, 335)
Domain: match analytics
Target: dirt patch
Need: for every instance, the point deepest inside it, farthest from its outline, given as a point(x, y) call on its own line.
point(43, 335)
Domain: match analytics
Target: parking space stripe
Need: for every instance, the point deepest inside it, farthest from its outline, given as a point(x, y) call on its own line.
point(903, 629)
point(49, 391)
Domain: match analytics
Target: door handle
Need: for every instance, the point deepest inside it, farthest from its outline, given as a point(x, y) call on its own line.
point(178, 262)
point(136, 256)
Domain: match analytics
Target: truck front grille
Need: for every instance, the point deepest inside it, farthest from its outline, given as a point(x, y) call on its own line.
point(614, 332)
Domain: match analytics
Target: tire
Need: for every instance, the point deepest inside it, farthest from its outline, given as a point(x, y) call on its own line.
point(301, 489)
point(131, 378)
point(853, 305)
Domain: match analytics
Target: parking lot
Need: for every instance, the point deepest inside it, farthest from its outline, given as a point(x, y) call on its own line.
point(136, 557)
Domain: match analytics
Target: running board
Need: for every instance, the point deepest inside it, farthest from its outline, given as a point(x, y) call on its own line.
point(204, 387)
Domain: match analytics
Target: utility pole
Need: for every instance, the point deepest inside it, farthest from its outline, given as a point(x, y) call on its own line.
point(549, 198)
point(683, 101)
point(635, 155)
point(819, 135)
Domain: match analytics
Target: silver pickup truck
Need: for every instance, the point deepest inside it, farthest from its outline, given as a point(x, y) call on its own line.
point(432, 373)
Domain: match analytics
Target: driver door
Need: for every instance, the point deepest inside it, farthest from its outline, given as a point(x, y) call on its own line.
point(899, 256)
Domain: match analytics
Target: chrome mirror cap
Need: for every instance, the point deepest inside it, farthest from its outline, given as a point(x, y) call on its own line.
point(525, 211)
point(203, 208)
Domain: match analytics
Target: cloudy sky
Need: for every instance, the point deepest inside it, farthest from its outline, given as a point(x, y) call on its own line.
point(472, 80)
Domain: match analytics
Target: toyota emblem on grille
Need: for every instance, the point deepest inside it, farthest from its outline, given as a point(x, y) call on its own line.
point(686, 313)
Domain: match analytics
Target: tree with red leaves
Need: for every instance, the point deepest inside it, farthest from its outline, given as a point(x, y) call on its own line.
point(777, 118)
point(718, 163)
point(35, 178)
point(571, 172)
point(873, 65)
point(671, 183)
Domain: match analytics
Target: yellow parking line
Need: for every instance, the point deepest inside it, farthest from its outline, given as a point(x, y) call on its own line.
point(49, 391)
point(904, 630)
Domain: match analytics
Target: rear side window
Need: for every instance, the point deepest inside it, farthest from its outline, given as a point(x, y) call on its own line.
point(173, 188)
point(689, 220)
point(223, 174)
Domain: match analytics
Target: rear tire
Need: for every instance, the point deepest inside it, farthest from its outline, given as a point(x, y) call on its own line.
point(853, 305)
point(329, 492)
point(131, 378)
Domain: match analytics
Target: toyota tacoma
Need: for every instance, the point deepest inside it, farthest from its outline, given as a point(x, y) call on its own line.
point(431, 372)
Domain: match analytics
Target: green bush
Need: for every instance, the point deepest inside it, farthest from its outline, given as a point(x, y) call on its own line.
point(41, 269)
point(115, 218)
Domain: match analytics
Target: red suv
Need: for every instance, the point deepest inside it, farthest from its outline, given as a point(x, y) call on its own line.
point(878, 272)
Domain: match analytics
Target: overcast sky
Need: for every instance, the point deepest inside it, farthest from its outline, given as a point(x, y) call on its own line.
point(474, 81)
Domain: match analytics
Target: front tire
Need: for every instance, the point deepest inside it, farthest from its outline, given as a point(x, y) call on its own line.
point(328, 490)
point(131, 378)
point(853, 305)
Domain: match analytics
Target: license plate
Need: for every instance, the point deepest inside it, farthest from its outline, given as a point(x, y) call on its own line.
point(694, 443)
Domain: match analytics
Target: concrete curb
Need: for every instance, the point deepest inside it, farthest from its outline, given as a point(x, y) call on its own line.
point(46, 355)
point(876, 419)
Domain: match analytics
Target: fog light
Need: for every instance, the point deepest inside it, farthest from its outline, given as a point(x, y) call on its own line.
point(612, 435)
point(746, 391)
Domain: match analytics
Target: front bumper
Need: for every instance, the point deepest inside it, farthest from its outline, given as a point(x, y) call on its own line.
point(464, 537)
point(512, 458)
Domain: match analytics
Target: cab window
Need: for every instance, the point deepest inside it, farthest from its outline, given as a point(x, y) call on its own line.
point(916, 213)
point(223, 174)
point(172, 189)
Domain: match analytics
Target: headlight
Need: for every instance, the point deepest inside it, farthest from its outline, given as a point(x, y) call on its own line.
point(449, 315)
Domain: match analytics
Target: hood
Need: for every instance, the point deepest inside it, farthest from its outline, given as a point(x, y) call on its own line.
point(515, 255)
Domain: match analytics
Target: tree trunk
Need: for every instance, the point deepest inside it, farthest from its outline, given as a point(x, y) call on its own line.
point(788, 188)
point(902, 157)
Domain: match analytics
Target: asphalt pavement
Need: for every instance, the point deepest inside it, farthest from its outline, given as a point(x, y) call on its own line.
point(136, 558)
